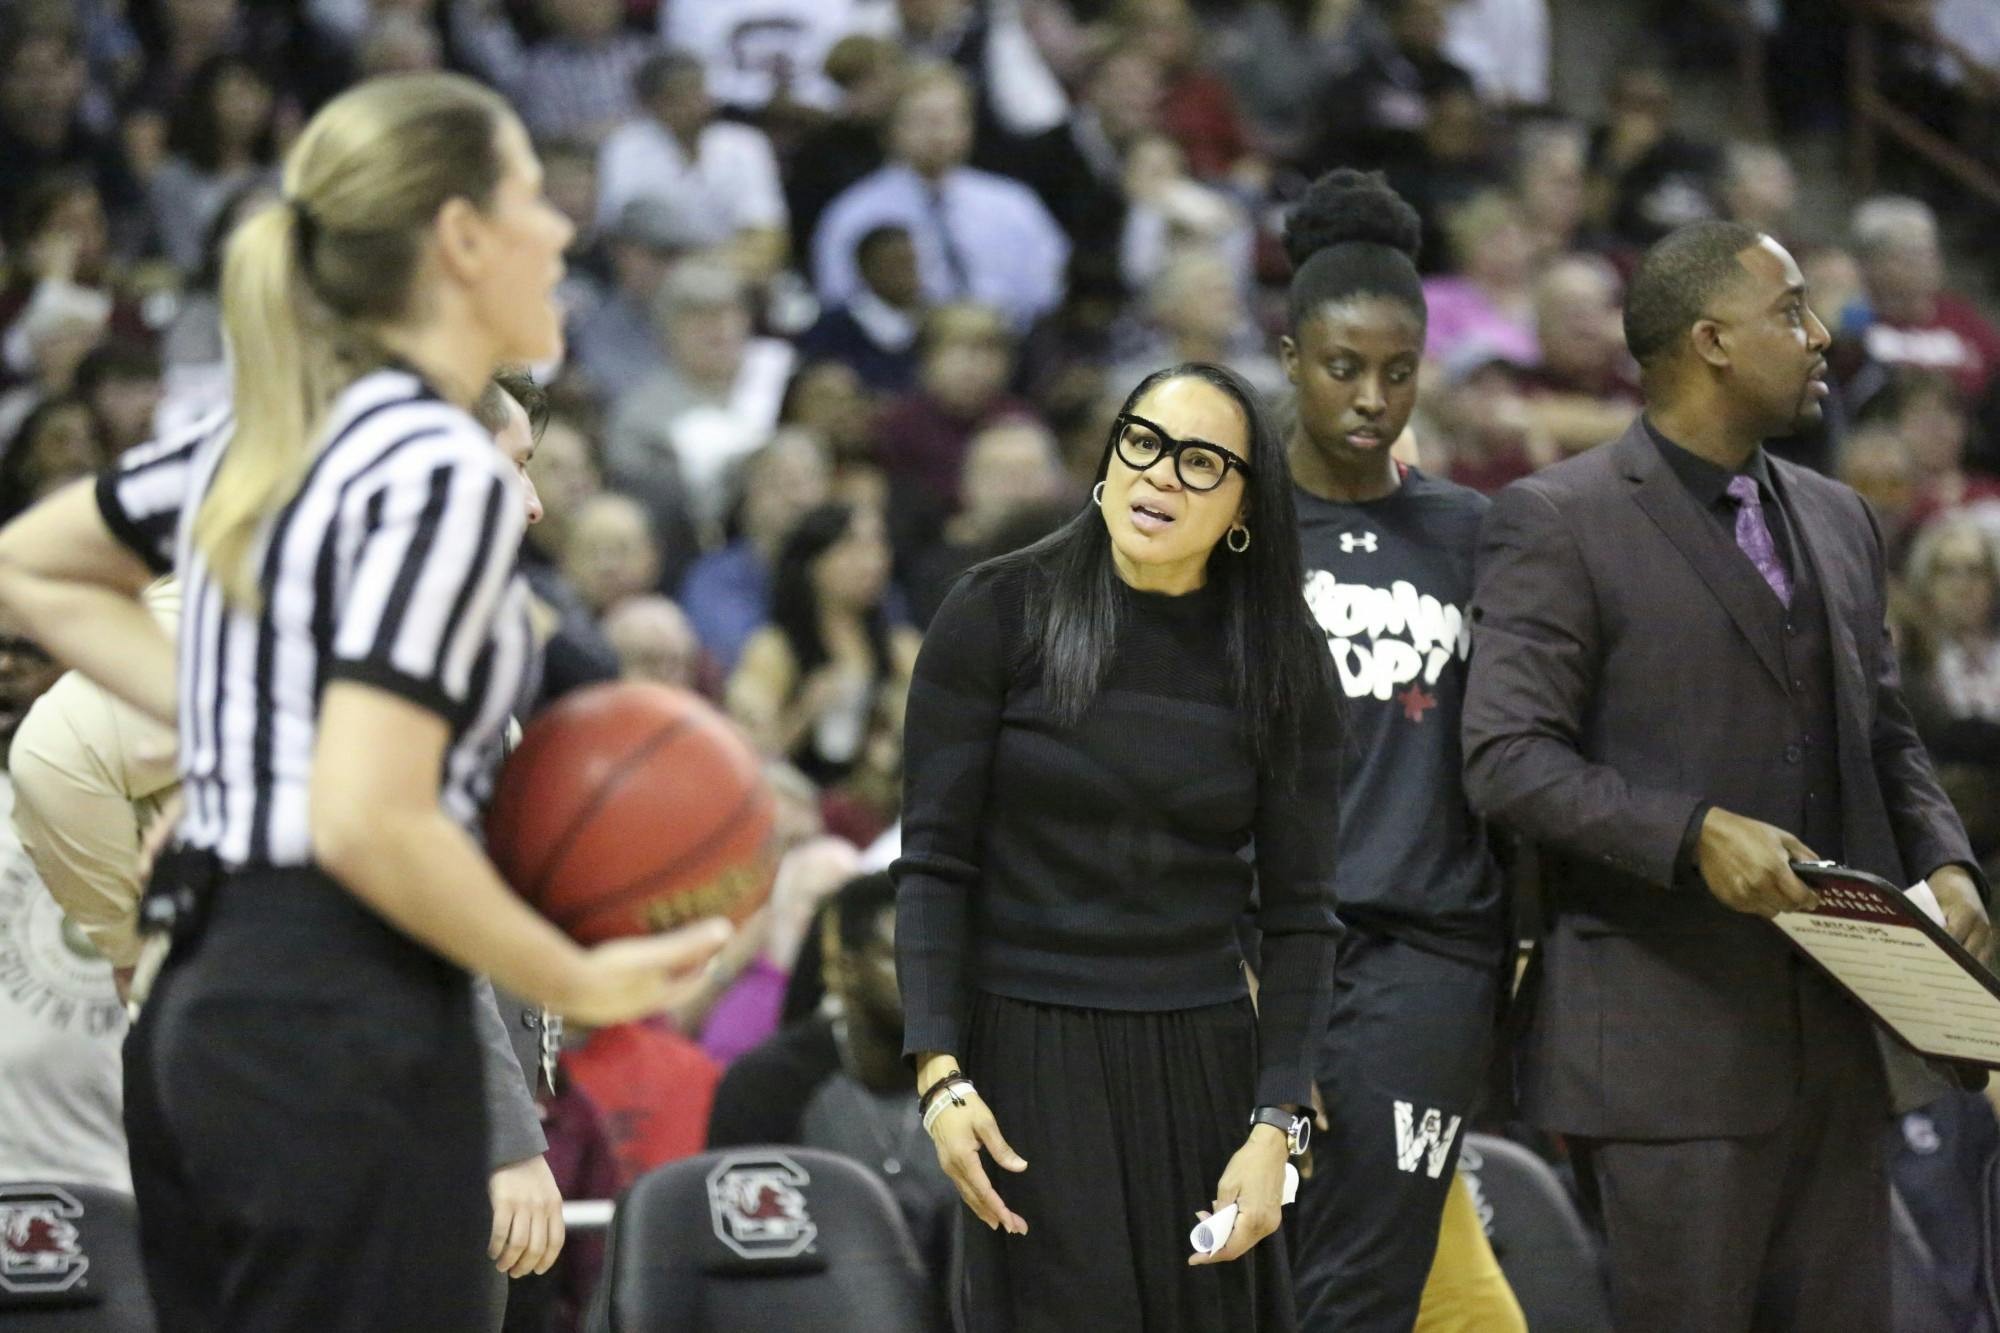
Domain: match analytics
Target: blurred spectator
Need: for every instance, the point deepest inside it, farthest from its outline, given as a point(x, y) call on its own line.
point(1581, 392)
point(744, 1002)
point(847, 144)
point(1504, 46)
point(196, 377)
point(727, 594)
point(966, 363)
point(1758, 188)
point(1012, 465)
point(978, 235)
point(1925, 410)
point(1198, 313)
point(1078, 167)
point(223, 140)
point(655, 643)
point(1167, 211)
point(828, 401)
point(66, 290)
point(1646, 178)
point(836, 1080)
point(823, 683)
point(1196, 106)
point(298, 59)
point(1456, 162)
point(1549, 185)
point(1491, 302)
point(121, 383)
point(574, 80)
point(56, 443)
point(770, 53)
point(1279, 56)
point(1066, 357)
point(43, 127)
point(610, 552)
point(1871, 458)
point(1913, 321)
point(875, 332)
point(1951, 668)
point(675, 434)
point(398, 43)
point(566, 473)
point(1493, 435)
point(61, 1025)
point(1375, 113)
point(616, 341)
point(652, 1088)
point(1018, 93)
point(721, 177)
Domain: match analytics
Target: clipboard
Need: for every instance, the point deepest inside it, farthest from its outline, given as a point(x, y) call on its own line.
point(1898, 964)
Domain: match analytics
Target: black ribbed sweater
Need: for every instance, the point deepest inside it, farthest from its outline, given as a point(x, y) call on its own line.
point(1101, 865)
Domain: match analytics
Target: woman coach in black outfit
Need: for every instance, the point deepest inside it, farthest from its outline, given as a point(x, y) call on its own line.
point(303, 1093)
point(1098, 728)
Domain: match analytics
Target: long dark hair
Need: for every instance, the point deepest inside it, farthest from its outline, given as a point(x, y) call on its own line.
point(1278, 662)
point(196, 131)
point(795, 601)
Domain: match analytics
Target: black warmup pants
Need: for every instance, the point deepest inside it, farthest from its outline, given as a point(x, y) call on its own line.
point(1127, 1120)
point(1401, 1065)
point(1780, 1231)
point(307, 1122)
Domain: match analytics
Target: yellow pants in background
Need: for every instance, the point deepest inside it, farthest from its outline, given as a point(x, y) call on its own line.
point(1466, 1291)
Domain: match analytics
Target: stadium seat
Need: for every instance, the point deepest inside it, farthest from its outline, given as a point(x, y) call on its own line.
point(1549, 1256)
point(69, 1261)
point(776, 1239)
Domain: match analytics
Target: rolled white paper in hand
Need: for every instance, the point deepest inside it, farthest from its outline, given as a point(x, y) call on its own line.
point(1212, 1233)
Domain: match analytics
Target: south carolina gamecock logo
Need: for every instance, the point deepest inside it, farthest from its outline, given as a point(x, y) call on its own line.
point(41, 1249)
point(757, 1206)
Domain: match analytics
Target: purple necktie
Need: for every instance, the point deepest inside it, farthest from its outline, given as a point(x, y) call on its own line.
point(1754, 537)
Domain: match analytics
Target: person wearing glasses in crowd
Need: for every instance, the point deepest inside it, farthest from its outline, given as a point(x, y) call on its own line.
point(1099, 726)
point(1388, 554)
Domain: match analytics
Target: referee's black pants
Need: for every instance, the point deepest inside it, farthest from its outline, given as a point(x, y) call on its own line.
point(1401, 1065)
point(307, 1124)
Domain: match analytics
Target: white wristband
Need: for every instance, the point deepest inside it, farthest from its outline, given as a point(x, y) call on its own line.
point(952, 1094)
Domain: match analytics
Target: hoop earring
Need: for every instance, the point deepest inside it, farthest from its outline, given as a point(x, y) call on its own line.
point(1230, 541)
point(1097, 495)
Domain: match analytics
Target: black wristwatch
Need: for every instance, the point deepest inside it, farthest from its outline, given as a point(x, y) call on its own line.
point(1296, 1128)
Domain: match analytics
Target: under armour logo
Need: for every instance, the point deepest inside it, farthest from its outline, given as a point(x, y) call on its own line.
point(1350, 542)
point(1414, 1140)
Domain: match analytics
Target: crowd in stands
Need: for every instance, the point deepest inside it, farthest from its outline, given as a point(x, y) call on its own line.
point(856, 287)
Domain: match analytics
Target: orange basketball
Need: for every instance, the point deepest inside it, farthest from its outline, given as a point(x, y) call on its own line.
point(629, 809)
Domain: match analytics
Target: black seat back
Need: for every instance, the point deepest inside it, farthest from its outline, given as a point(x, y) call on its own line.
point(1549, 1256)
point(69, 1260)
point(776, 1239)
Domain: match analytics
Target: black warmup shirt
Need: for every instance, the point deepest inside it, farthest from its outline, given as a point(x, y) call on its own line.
point(1099, 865)
point(1388, 580)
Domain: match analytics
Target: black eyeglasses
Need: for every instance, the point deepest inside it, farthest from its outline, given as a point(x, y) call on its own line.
point(1201, 466)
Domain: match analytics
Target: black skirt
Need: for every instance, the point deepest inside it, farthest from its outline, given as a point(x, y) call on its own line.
point(1127, 1121)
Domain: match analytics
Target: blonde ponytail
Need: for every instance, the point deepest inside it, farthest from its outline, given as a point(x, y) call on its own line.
point(283, 383)
point(306, 280)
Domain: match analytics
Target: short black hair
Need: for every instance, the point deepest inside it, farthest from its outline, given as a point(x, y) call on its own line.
point(1352, 234)
point(519, 385)
point(1676, 280)
point(880, 234)
point(857, 907)
point(115, 359)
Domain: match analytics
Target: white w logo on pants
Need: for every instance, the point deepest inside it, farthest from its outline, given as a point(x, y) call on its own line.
point(1413, 1140)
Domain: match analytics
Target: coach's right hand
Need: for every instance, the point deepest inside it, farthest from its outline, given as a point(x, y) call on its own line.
point(634, 978)
point(1746, 864)
point(958, 1134)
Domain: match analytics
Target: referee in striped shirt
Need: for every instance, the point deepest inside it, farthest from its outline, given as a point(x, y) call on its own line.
point(303, 1093)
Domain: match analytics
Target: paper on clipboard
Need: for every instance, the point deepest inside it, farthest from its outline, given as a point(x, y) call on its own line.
point(1888, 949)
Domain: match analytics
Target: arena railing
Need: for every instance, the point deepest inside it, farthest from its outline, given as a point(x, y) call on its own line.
point(1873, 117)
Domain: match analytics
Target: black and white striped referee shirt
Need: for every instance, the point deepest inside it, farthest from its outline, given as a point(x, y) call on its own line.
point(394, 565)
